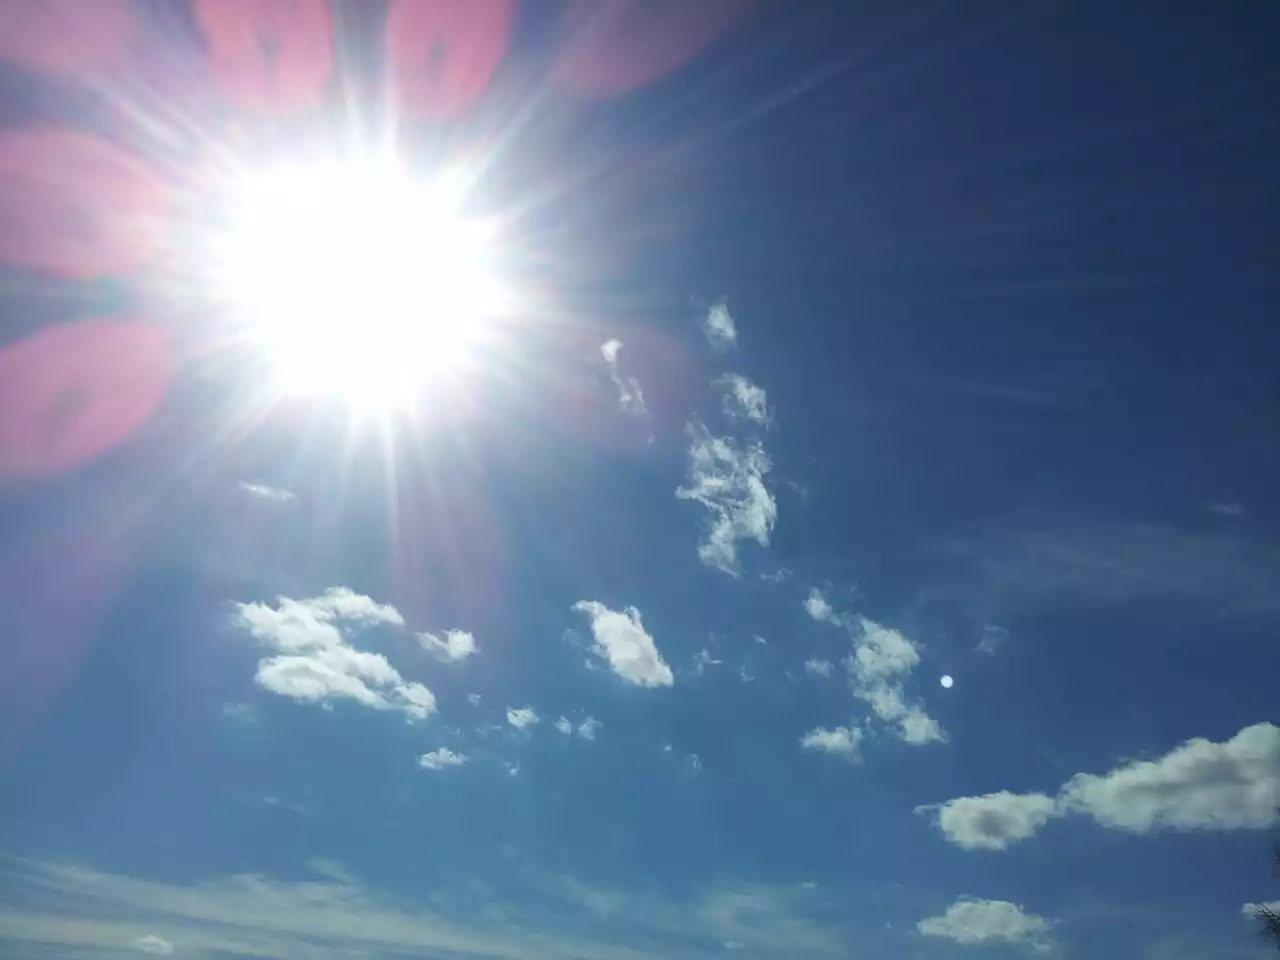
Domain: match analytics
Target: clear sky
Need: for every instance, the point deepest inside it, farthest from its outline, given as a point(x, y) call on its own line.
point(858, 537)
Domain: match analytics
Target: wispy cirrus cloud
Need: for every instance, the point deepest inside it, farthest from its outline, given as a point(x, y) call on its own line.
point(622, 641)
point(719, 327)
point(744, 400)
point(630, 393)
point(76, 910)
point(270, 494)
point(1197, 786)
point(727, 477)
point(315, 662)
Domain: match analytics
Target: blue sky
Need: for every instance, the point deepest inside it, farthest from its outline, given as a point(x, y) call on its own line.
point(867, 545)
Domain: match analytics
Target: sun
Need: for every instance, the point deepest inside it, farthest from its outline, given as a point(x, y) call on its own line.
point(357, 280)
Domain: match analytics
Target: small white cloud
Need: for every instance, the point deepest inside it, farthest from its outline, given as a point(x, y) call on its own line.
point(818, 668)
point(522, 717)
point(972, 921)
point(720, 330)
point(817, 607)
point(992, 821)
point(727, 477)
point(1227, 509)
point(473, 699)
point(756, 638)
point(270, 494)
point(1199, 785)
point(441, 759)
point(621, 641)
point(238, 712)
point(703, 659)
point(993, 638)
point(513, 768)
point(630, 394)
point(744, 400)
point(156, 946)
point(1250, 910)
point(564, 725)
point(839, 741)
point(734, 945)
point(453, 646)
point(589, 727)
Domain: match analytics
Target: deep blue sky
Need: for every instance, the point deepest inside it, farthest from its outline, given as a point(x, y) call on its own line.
point(1006, 274)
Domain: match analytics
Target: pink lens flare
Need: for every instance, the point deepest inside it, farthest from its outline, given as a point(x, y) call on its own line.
point(75, 205)
point(442, 53)
point(269, 54)
point(74, 391)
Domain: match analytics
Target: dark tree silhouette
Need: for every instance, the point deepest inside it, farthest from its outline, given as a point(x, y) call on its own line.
point(1267, 916)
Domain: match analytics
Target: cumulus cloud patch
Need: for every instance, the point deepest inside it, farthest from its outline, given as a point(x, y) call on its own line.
point(156, 946)
point(623, 643)
point(727, 477)
point(1198, 786)
point(441, 759)
point(719, 327)
point(314, 660)
point(838, 741)
point(819, 668)
point(451, 646)
point(993, 821)
point(973, 921)
point(522, 717)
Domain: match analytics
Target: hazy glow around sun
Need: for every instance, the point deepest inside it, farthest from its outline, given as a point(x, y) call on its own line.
point(357, 279)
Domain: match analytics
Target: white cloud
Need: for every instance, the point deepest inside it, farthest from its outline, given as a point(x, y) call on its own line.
point(1250, 909)
point(79, 911)
point(993, 821)
point(839, 741)
point(745, 400)
point(817, 607)
point(881, 657)
point(630, 394)
point(734, 945)
point(453, 646)
point(818, 668)
point(621, 640)
point(270, 494)
point(522, 717)
point(971, 921)
point(703, 659)
point(564, 725)
point(473, 699)
point(589, 727)
point(441, 759)
point(238, 712)
point(314, 661)
point(727, 477)
point(157, 946)
point(720, 330)
point(1199, 785)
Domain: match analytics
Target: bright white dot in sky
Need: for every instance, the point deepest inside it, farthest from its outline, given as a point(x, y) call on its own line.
point(357, 279)
point(946, 680)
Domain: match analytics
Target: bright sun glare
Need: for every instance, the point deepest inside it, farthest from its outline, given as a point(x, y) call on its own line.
point(358, 280)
